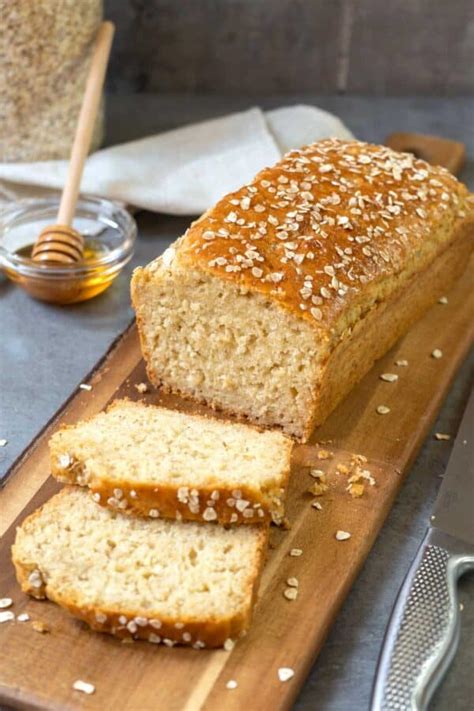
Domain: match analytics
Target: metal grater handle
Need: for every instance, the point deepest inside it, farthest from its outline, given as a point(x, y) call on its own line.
point(423, 631)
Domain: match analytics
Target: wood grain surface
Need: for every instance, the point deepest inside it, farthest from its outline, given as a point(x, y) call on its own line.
point(38, 670)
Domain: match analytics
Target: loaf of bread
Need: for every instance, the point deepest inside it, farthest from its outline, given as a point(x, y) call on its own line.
point(156, 462)
point(162, 581)
point(280, 298)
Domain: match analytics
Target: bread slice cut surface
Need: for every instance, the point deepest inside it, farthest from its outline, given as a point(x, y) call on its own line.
point(156, 462)
point(133, 577)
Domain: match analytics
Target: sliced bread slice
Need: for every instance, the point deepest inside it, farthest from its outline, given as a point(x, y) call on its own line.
point(156, 580)
point(161, 463)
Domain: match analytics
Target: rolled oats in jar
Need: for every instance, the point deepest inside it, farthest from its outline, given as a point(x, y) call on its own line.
point(45, 48)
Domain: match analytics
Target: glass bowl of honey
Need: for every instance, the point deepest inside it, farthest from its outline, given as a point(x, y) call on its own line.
point(109, 233)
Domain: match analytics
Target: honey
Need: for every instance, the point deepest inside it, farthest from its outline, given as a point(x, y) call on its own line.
point(109, 233)
point(68, 288)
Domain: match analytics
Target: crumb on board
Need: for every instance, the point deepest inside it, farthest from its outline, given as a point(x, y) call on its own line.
point(358, 459)
point(316, 505)
point(383, 410)
point(342, 535)
point(317, 473)
point(319, 487)
point(356, 482)
point(41, 627)
point(356, 489)
point(402, 363)
point(437, 353)
point(291, 593)
point(292, 582)
point(324, 454)
point(229, 645)
point(296, 552)
point(442, 437)
point(23, 617)
point(3, 442)
point(443, 300)
point(5, 602)
point(141, 387)
point(231, 684)
point(85, 386)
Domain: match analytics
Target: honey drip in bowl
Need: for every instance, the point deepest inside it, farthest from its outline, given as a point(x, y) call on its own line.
point(70, 288)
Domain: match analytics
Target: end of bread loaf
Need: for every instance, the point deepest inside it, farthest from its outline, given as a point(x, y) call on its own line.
point(160, 581)
point(156, 462)
point(225, 346)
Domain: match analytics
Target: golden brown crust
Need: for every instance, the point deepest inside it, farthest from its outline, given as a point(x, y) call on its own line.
point(139, 624)
point(174, 502)
point(354, 214)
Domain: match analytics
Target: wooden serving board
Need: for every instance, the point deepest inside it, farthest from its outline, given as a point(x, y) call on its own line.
point(38, 670)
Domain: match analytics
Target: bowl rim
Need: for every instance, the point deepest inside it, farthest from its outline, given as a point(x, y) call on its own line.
point(112, 261)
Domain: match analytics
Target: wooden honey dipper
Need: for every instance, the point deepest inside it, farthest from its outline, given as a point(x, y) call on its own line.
point(61, 243)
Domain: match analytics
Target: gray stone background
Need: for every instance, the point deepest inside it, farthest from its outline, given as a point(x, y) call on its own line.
point(376, 47)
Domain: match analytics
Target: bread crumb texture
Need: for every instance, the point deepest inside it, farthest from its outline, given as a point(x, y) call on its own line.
point(175, 583)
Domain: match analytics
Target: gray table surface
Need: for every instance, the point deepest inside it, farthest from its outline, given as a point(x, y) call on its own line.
point(45, 352)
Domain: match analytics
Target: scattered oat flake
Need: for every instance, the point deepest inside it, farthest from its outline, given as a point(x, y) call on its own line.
point(441, 436)
point(3, 442)
point(40, 627)
point(389, 377)
point(85, 386)
point(141, 387)
point(401, 363)
point(83, 686)
point(324, 454)
point(383, 410)
point(285, 673)
point(291, 593)
point(437, 353)
point(231, 684)
point(342, 535)
point(296, 552)
point(23, 617)
point(443, 300)
point(317, 473)
point(317, 505)
point(366, 474)
point(229, 645)
point(5, 602)
point(6, 616)
point(292, 582)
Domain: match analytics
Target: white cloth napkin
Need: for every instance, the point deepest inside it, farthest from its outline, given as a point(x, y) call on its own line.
point(184, 171)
